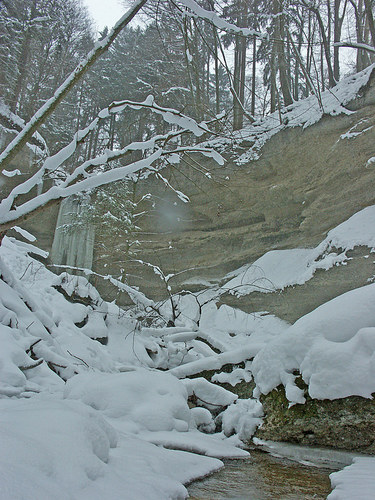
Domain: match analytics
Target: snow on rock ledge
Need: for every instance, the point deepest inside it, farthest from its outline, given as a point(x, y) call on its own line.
point(303, 113)
point(333, 348)
point(279, 269)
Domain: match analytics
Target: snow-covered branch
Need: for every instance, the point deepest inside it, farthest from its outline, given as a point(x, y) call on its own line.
point(355, 45)
point(137, 297)
point(86, 176)
point(169, 115)
point(195, 10)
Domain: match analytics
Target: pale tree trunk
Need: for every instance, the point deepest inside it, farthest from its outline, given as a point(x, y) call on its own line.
point(273, 79)
point(370, 20)
point(362, 58)
point(253, 77)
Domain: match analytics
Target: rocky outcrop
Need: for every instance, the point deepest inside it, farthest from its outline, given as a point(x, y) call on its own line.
point(347, 424)
point(305, 182)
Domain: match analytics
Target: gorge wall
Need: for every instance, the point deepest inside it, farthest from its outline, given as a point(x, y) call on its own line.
point(305, 182)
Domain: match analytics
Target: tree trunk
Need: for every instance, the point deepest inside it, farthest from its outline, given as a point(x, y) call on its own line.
point(370, 20)
point(253, 77)
point(22, 63)
point(273, 79)
point(279, 33)
point(239, 69)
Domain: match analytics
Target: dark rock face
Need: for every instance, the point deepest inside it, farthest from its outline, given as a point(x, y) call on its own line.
point(347, 424)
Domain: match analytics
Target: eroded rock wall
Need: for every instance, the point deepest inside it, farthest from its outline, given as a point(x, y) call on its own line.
point(305, 183)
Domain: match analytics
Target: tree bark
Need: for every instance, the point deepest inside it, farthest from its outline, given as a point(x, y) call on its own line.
point(279, 34)
point(239, 68)
point(370, 20)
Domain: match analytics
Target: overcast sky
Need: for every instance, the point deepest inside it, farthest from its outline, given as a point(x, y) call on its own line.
point(105, 12)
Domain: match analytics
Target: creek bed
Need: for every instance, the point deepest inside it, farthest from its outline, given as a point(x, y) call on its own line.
point(263, 476)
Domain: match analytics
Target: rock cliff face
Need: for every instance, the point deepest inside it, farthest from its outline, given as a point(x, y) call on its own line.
point(305, 182)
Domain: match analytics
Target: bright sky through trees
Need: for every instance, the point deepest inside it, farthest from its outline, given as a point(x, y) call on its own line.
point(105, 13)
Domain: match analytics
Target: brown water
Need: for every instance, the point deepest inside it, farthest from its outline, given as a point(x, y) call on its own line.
point(263, 477)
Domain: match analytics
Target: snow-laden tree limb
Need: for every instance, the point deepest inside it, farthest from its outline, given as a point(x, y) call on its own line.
point(195, 10)
point(137, 297)
point(355, 45)
point(86, 176)
point(169, 115)
point(40, 116)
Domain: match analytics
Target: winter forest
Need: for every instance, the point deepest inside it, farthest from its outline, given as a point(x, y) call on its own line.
point(187, 230)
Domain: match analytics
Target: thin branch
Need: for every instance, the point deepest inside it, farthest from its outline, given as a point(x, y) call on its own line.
point(29, 367)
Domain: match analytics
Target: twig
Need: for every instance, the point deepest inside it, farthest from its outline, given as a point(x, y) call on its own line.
point(32, 345)
point(29, 367)
point(77, 357)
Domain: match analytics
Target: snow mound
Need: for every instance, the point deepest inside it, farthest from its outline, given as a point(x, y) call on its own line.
point(51, 448)
point(149, 400)
point(242, 418)
point(355, 481)
point(63, 449)
point(333, 348)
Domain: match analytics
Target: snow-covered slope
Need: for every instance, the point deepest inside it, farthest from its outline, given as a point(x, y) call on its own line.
point(279, 269)
point(79, 419)
point(303, 113)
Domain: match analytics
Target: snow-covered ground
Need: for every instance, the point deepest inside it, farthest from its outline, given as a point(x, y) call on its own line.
point(82, 420)
point(75, 414)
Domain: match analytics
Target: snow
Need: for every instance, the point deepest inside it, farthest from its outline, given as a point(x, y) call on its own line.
point(129, 406)
point(355, 481)
point(242, 418)
point(279, 269)
point(117, 424)
point(63, 449)
point(302, 113)
point(333, 348)
point(82, 420)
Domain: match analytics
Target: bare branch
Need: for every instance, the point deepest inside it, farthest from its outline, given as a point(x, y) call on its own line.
point(29, 367)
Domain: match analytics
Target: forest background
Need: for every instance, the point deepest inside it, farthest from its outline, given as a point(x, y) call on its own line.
point(225, 78)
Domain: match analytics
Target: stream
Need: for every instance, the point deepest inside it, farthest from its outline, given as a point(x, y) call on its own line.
point(302, 476)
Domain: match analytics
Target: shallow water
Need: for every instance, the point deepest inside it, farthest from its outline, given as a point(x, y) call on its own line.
point(263, 476)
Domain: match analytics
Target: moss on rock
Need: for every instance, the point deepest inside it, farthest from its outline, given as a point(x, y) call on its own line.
point(347, 423)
